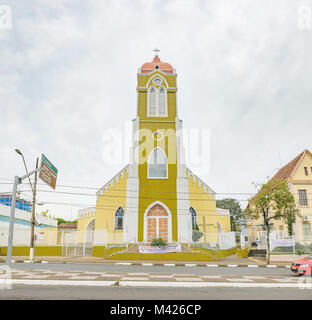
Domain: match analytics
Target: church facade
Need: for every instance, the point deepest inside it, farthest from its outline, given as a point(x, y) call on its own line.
point(155, 195)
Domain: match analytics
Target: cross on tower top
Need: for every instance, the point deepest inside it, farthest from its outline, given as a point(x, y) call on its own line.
point(156, 52)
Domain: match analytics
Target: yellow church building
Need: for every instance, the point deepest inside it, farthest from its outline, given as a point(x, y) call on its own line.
point(155, 195)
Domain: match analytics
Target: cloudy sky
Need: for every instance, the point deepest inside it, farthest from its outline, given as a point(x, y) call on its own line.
point(68, 73)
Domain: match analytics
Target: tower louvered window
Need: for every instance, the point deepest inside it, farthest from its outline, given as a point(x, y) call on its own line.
point(157, 102)
point(152, 110)
point(162, 102)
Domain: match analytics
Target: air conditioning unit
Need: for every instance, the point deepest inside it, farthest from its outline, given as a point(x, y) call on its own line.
point(306, 218)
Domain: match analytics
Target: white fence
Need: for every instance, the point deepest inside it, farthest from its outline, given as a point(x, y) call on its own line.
point(279, 242)
point(80, 243)
point(222, 241)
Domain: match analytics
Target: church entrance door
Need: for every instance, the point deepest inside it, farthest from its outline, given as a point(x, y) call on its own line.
point(157, 223)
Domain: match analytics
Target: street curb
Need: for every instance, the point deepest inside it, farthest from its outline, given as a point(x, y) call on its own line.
point(201, 265)
point(145, 264)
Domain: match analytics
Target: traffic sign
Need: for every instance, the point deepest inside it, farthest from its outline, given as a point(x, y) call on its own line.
point(48, 173)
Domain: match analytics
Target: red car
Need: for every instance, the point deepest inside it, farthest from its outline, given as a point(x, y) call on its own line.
point(302, 266)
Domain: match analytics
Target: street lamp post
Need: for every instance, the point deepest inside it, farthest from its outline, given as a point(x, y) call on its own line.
point(17, 181)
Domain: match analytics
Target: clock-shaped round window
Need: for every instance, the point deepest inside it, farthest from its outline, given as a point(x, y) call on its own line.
point(157, 81)
point(158, 135)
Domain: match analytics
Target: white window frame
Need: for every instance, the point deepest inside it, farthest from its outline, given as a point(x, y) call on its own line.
point(148, 164)
point(116, 217)
point(157, 100)
point(194, 217)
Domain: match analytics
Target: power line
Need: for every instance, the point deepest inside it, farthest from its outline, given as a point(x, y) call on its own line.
point(141, 190)
point(117, 206)
point(124, 197)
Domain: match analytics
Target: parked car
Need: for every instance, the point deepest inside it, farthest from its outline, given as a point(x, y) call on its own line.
point(302, 266)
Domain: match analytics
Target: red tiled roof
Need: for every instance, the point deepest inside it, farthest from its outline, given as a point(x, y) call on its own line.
point(285, 172)
point(156, 63)
point(67, 226)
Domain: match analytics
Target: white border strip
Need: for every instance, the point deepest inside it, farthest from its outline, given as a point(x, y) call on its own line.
point(207, 284)
point(57, 282)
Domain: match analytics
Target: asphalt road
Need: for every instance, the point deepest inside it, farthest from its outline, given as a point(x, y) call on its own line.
point(155, 269)
point(137, 293)
point(53, 292)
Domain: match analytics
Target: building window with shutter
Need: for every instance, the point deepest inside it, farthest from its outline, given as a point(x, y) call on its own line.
point(152, 108)
point(162, 102)
point(306, 228)
point(303, 201)
point(157, 102)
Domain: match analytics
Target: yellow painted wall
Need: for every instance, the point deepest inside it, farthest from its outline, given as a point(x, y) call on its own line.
point(205, 205)
point(300, 181)
point(39, 251)
point(49, 236)
point(106, 206)
point(82, 226)
point(225, 223)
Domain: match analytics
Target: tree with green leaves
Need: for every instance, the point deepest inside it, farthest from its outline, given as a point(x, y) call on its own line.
point(274, 201)
point(236, 212)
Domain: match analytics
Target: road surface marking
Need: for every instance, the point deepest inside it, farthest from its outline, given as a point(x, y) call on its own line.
point(137, 274)
point(207, 284)
point(239, 280)
point(135, 278)
point(211, 265)
point(253, 266)
point(161, 276)
point(210, 277)
point(35, 276)
point(233, 265)
point(189, 279)
point(190, 264)
point(83, 277)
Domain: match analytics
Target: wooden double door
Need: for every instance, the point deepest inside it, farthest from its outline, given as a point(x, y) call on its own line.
point(157, 223)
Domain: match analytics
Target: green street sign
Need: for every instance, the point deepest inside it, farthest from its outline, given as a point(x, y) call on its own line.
point(48, 172)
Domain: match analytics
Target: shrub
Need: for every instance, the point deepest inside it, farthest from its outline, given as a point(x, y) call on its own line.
point(196, 235)
point(159, 242)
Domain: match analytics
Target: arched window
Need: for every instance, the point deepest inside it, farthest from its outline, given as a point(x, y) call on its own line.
point(194, 218)
point(162, 102)
point(157, 164)
point(220, 229)
point(152, 108)
point(157, 102)
point(119, 214)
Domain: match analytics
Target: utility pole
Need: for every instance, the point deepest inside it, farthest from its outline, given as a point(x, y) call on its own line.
point(33, 217)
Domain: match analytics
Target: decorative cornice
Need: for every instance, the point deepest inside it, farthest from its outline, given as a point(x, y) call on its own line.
point(86, 213)
point(111, 182)
point(200, 182)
